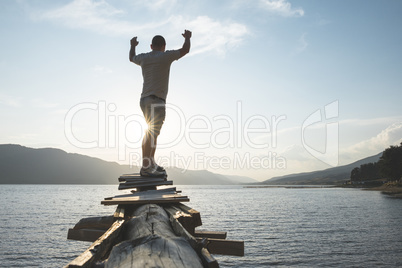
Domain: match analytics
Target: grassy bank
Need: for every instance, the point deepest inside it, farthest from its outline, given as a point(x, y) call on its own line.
point(391, 188)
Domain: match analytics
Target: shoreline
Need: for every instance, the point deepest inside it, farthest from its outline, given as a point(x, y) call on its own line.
point(392, 190)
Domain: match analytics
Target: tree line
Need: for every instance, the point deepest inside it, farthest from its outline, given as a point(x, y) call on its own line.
point(388, 167)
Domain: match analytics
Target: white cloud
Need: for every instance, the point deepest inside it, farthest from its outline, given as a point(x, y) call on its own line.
point(281, 7)
point(392, 135)
point(212, 35)
point(9, 101)
point(101, 70)
point(41, 103)
point(166, 5)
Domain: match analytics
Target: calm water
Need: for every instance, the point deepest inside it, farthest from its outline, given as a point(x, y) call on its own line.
point(280, 227)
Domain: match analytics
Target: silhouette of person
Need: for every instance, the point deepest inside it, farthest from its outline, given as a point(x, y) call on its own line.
point(155, 67)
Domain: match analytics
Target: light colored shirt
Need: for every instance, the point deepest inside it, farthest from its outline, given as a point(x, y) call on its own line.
point(155, 67)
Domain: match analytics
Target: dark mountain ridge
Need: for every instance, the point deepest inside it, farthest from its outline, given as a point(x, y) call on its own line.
point(23, 165)
point(335, 175)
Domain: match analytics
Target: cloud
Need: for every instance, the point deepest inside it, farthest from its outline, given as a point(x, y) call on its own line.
point(101, 70)
point(166, 5)
point(41, 103)
point(9, 101)
point(392, 135)
point(213, 35)
point(281, 7)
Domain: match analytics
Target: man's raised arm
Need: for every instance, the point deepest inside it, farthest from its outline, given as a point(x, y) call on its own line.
point(133, 43)
point(186, 46)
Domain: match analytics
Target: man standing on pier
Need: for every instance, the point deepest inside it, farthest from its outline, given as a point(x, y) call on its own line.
point(155, 67)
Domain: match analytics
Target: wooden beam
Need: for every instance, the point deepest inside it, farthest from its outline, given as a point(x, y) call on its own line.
point(90, 235)
point(151, 193)
point(102, 223)
point(168, 198)
point(208, 260)
point(99, 247)
point(194, 213)
point(210, 234)
point(123, 186)
point(138, 177)
point(225, 247)
point(185, 219)
point(119, 213)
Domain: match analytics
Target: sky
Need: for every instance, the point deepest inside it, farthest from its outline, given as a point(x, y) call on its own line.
point(269, 88)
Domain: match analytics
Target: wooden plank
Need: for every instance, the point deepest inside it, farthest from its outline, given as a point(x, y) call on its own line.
point(102, 223)
point(210, 234)
point(225, 247)
point(89, 235)
point(144, 193)
point(194, 213)
point(138, 176)
point(208, 260)
point(99, 247)
point(148, 197)
point(146, 200)
point(124, 186)
point(160, 190)
point(119, 213)
point(185, 219)
point(141, 182)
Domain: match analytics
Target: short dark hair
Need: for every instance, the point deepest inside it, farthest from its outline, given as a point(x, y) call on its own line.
point(158, 41)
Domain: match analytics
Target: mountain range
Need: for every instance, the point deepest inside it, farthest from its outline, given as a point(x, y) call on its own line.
point(330, 176)
point(23, 165)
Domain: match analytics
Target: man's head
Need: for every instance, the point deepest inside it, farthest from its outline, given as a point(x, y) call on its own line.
point(158, 43)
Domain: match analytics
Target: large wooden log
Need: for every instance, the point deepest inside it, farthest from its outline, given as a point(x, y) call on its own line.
point(151, 242)
point(99, 247)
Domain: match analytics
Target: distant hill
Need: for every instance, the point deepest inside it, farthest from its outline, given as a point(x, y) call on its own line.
point(23, 165)
point(328, 176)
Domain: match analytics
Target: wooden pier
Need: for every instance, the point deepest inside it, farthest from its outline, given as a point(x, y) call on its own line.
point(151, 227)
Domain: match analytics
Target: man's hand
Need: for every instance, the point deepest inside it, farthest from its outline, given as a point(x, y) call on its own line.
point(186, 46)
point(186, 34)
point(134, 41)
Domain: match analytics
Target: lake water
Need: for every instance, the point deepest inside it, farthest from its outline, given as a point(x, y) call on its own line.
point(331, 227)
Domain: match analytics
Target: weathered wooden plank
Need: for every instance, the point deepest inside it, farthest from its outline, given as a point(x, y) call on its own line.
point(119, 213)
point(138, 176)
point(194, 213)
point(151, 242)
point(146, 193)
point(102, 223)
point(99, 247)
point(123, 186)
point(185, 219)
point(160, 190)
point(146, 200)
point(144, 180)
point(90, 235)
point(208, 260)
point(210, 234)
point(225, 247)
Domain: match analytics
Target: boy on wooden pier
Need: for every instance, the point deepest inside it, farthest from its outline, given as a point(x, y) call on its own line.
point(155, 67)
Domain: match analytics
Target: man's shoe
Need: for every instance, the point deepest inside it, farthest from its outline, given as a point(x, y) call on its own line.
point(159, 168)
point(151, 172)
